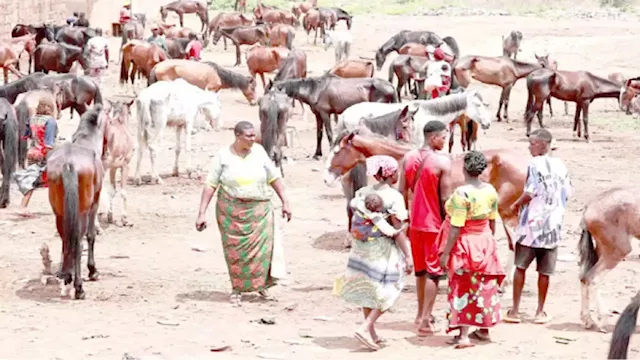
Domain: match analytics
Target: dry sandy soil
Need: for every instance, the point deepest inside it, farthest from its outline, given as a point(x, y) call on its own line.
point(161, 271)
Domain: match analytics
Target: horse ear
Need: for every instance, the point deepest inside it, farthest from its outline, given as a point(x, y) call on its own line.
point(130, 102)
point(627, 83)
point(403, 113)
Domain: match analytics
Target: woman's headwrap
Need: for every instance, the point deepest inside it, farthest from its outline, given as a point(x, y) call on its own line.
point(388, 165)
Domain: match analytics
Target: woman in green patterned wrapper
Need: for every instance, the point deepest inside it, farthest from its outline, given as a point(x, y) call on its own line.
point(380, 253)
point(244, 174)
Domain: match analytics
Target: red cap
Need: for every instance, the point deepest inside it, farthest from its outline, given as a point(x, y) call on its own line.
point(438, 54)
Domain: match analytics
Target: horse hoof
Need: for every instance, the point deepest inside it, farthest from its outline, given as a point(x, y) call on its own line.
point(317, 157)
point(137, 181)
point(80, 294)
point(110, 218)
point(94, 276)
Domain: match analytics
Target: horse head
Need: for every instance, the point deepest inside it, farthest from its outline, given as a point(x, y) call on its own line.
point(163, 13)
point(119, 111)
point(210, 108)
point(217, 34)
point(404, 124)
point(543, 60)
point(342, 158)
point(477, 109)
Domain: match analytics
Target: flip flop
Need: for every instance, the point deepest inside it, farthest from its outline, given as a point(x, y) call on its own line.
point(366, 341)
point(381, 341)
point(477, 335)
point(511, 319)
point(454, 340)
point(542, 320)
point(464, 345)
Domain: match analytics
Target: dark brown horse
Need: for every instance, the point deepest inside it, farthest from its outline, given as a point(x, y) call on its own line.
point(501, 71)
point(625, 326)
point(274, 109)
point(139, 57)
point(293, 67)
point(277, 16)
point(75, 174)
point(328, 94)
point(261, 60)
point(228, 20)
point(302, 8)
point(58, 57)
point(342, 15)
point(8, 147)
point(353, 69)
point(182, 7)
point(329, 17)
point(398, 40)
point(282, 35)
point(77, 36)
point(205, 75)
point(313, 21)
point(22, 29)
point(177, 48)
point(552, 64)
point(242, 35)
point(405, 68)
point(468, 132)
point(580, 87)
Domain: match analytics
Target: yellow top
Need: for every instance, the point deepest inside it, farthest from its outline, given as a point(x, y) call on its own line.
point(244, 178)
point(472, 203)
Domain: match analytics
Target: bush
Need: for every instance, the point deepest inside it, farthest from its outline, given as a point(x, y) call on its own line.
point(619, 4)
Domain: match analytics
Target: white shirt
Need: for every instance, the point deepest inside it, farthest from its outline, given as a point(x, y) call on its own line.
point(97, 55)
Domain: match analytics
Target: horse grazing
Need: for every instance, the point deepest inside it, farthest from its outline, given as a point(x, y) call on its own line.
point(172, 104)
point(119, 151)
point(625, 326)
point(354, 69)
point(75, 173)
point(182, 7)
point(282, 35)
point(9, 147)
point(580, 87)
point(501, 71)
point(405, 68)
point(511, 44)
point(274, 109)
point(294, 66)
point(331, 94)
point(205, 75)
point(58, 57)
point(232, 19)
point(396, 42)
point(139, 57)
point(241, 35)
point(262, 60)
point(313, 21)
point(8, 62)
point(342, 15)
point(341, 40)
point(608, 224)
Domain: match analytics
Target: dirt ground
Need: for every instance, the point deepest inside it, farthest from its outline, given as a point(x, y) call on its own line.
point(163, 293)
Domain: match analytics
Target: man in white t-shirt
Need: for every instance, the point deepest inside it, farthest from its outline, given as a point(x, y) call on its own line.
point(542, 205)
point(98, 56)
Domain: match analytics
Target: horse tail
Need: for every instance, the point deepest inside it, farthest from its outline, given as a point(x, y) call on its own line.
point(588, 254)
point(391, 73)
point(97, 98)
point(625, 326)
point(152, 77)
point(290, 36)
point(71, 213)
point(10, 142)
point(271, 131)
point(123, 71)
point(22, 116)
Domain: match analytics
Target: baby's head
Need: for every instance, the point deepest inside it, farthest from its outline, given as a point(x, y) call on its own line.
point(373, 202)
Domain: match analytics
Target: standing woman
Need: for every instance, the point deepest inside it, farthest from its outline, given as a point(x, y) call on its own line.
point(470, 255)
point(242, 174)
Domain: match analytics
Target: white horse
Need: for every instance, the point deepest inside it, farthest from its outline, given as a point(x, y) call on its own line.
point(445, 109)
point(172, 104)
point(341, 40)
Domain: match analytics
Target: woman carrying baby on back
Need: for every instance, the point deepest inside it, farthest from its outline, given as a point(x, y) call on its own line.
point(381, 255)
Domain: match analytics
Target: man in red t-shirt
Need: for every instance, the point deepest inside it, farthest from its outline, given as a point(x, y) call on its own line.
point(427, 174)
point(194, 47)
point(125, 13)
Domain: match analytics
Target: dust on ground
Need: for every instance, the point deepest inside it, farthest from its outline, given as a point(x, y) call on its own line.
point(164, 289)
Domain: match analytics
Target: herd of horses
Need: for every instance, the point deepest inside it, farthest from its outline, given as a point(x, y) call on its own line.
point(369, 115)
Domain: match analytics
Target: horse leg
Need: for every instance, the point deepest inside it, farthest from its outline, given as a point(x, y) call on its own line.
point(566, 108)
point(77, 261)
point(176, 172)
point(6, 75)
point(451, 135)
point(152, 155)
point(124, 174)
point(112, 194)
point(181, 16)
point(91, 240)
point(224, 40)
point(507, 94)
point(327, 126)
point(319, 122)
point(550, 110)
point(264, 85)
point(602, 266)
point(585, 119)
point(63, 272)
point(237, 55)
point(576, 120)
point(141, 145)
point(500, 103)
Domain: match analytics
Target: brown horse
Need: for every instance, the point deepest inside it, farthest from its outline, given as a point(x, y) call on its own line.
point(177, 48)
point(277, 16)
point(398, 40)
point(262, 60)
point(501, 71)
point(329, 94)
point(58, 57)
point(329, 18)
point(354, 69)
point(8, 149)
point(182, 7)
point(405, 68)
point(77, 36)
point(630, 90)
point(22, 29)
point(119, 151)
point(580, 87)
point(75, 173)
point(313, 21)
point(608, 223)
point(511, 44)
point(228, 20)
point(302, 8)
point(293, 67)
point(413, 49)
point(8, 62)
point(468, 132)
point(506, 170)
point(25, 43)
point(274, 109)
point(139, 56)
point(241, 35)
point(547, 63)
point(342, 15)
point(205, 75)
point(282, 35)
point(260, 8)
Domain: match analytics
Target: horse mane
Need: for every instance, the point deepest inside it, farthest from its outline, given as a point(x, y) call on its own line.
point(88, 124)
point(445, 105)
point(392, 42)
point(312, 83)
point(288, 66)
point(229, 77)
point(21, 85)
point(384, 124)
